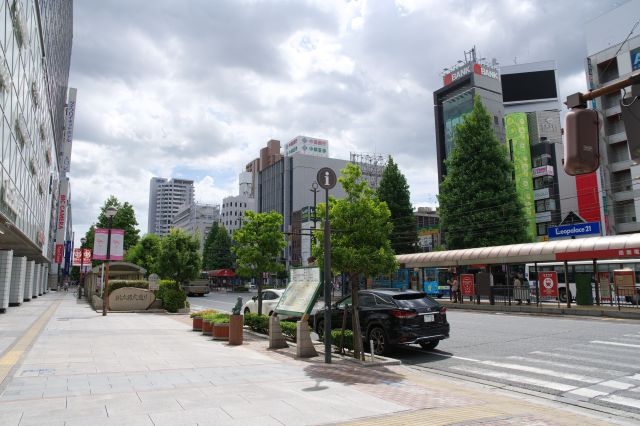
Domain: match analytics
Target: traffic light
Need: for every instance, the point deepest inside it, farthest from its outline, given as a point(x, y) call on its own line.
point(581, 150)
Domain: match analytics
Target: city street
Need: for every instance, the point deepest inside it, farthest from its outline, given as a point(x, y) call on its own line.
point(576, 359)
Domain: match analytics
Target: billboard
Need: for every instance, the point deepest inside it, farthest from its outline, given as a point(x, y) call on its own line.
point(100, 244)
point(307, 146)
point(517, 133)
point(82, 257)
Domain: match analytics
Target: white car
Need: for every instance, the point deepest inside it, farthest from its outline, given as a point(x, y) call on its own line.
point(270, 300)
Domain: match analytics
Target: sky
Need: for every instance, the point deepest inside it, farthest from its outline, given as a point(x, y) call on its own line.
point(193, 89)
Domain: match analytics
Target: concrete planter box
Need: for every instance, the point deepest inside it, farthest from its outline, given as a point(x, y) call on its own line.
point(207, 328)
point(236, 324)
point(197, 324)
point(221, 331)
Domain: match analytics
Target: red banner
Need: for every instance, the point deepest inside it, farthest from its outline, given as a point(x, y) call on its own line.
point(548, 284)
point(59, 253)
point(78, 253)
point(467, 286)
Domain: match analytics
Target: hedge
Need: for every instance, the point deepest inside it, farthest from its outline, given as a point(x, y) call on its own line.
point(289, 329)
point(172, 296)
point(201, 314)
point(218, 318)
point(348, 338)
point(257, 323)
point(116, 284)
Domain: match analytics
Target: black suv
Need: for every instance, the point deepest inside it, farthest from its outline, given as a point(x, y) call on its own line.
point(391, 317)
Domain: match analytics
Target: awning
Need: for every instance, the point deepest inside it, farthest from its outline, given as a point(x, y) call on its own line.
point(222, 273)
point(610, 247)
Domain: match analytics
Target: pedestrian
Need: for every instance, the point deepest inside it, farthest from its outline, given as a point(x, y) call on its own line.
point(518, 288)
point(455, 289)
point(450, 290)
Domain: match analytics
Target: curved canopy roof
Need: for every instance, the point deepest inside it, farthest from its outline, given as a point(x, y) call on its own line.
point(611, 247)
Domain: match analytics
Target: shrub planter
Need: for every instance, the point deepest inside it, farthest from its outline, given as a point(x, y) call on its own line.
point(221, 331)
point(236, 323)
point(206, 327)
point(197, 324)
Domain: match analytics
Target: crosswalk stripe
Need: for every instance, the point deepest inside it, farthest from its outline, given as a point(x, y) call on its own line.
point(600, 342)
point(583, 360)
point(603, 351)
point(515, 378)
point(616, 385)
point(535, 370)
point(635, 377)
point(569, 366)
point(621, 400)
point(589, 393)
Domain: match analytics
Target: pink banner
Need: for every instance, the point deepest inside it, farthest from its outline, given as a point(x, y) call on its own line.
point(100, 244)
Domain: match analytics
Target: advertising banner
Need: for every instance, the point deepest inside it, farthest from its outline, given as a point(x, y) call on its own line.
point(623, 279)
point(67, 256)
point(605, 286)
point(467, 286)
point(548, 284)
point(59, 253)
point(78, 255)
point(301, 292)
point(70, 112)
point(517, 131)
point(116, 250)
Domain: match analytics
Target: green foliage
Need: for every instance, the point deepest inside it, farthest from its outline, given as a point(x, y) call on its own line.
point(336, 335)
point(217, 318)
point(217, 249)
point(201, 314)
point(172, 296)
point(479, 206)
point(125, 219)
point(258, 245)
point(240, 289)
point(394, 191)
point(179, 258)
point(289, 329)
point(145, 253)
point(257, 323)
point(116, 284)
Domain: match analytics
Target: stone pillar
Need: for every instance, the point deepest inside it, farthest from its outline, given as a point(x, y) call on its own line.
point(37, 276)
point(305, 348)
point(45, 281)
point(42, 277)
point(276, 339)
point(29, 278)
point(6, 262)
point(18, 272)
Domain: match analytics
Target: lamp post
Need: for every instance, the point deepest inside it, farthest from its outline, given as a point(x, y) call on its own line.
point(110, 213)
point(83, 241)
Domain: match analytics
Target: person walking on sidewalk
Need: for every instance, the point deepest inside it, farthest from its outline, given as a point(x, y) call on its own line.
point(455, 289)
point(520, 291)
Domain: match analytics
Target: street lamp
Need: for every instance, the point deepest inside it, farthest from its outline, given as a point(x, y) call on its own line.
point(83, 241)
point(110, 213)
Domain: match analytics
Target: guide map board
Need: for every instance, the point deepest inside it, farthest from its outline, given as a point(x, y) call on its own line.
point(301, 293)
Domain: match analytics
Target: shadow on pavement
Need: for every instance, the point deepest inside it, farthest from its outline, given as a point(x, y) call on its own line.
point(351, 375)
point(416, 355)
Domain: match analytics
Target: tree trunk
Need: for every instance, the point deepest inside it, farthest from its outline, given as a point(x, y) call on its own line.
point(259, 294)
point(355, 317)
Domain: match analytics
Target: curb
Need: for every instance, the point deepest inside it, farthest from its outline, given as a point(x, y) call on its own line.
point(602, 313)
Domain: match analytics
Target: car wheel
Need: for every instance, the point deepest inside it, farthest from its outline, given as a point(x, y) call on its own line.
point(379, 337)
point(429, 345)
point(247, 311)
point(563, 295)
point(320, 329)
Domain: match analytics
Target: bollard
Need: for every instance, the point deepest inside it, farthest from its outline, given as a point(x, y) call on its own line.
point(371, 348)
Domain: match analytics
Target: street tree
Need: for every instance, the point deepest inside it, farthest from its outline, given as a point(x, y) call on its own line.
point(478, 202)
point(394, 191)
point(125, 219)
point(257, 245)
point(360, 238)
point(179, 258)
point(217, 249)
point(146, 253)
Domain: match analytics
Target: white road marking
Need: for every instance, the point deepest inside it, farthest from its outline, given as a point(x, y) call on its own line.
point(570, 366)
point(616, 385)
point(628, 345)
point(516, 378)
point(589, 393)
point(621, 400)
point(635, 377)
point(565, 357)
point(535, 370)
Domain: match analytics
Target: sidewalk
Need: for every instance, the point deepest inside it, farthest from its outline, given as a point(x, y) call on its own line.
point(77, 367)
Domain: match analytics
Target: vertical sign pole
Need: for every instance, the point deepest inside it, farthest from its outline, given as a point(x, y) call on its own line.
point(327, 282)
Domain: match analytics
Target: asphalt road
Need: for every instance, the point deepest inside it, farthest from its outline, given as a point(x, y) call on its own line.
point(578, 360)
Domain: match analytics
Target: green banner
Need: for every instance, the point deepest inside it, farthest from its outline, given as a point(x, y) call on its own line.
point(517, 129)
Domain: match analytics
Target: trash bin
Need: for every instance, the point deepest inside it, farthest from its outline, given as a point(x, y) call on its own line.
point(584, 291)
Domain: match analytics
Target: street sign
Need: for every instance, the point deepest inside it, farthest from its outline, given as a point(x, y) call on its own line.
point(467, 284)
point(548, 284)
point(574, 230)
point(301, 292)
point(154, 282)
point(326, 178)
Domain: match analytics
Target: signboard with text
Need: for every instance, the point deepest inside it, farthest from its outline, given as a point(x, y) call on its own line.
point(301, 292)
point(605, 285)
point(467, 286)
point(548, 284)
point(100, 244)
point(574, 230)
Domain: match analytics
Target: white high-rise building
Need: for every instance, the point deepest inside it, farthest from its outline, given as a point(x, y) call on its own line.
point(166, 196)
point(196, 219)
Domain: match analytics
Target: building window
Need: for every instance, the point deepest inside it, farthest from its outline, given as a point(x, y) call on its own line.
point(545, 205)
point(542, 229)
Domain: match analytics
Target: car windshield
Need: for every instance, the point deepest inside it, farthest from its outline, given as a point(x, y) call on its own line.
point(414, 300)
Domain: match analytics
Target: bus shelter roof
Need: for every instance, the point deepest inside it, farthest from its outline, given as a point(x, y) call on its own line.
point(610, 247)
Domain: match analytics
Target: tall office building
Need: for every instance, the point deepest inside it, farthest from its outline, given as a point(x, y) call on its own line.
point(166, 197)
point(611, 56)
point(35, 54)
point(196, 219)
point(462, 83)
point(534, 137)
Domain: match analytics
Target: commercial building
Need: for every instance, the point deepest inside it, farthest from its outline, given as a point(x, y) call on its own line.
point(611, 56)
point(428, 225)
point(268, 156)
point(461, 84)
point(534, 137)
point(196, 219)
point(35, 53)
point(233, 211)
point(166, 197)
